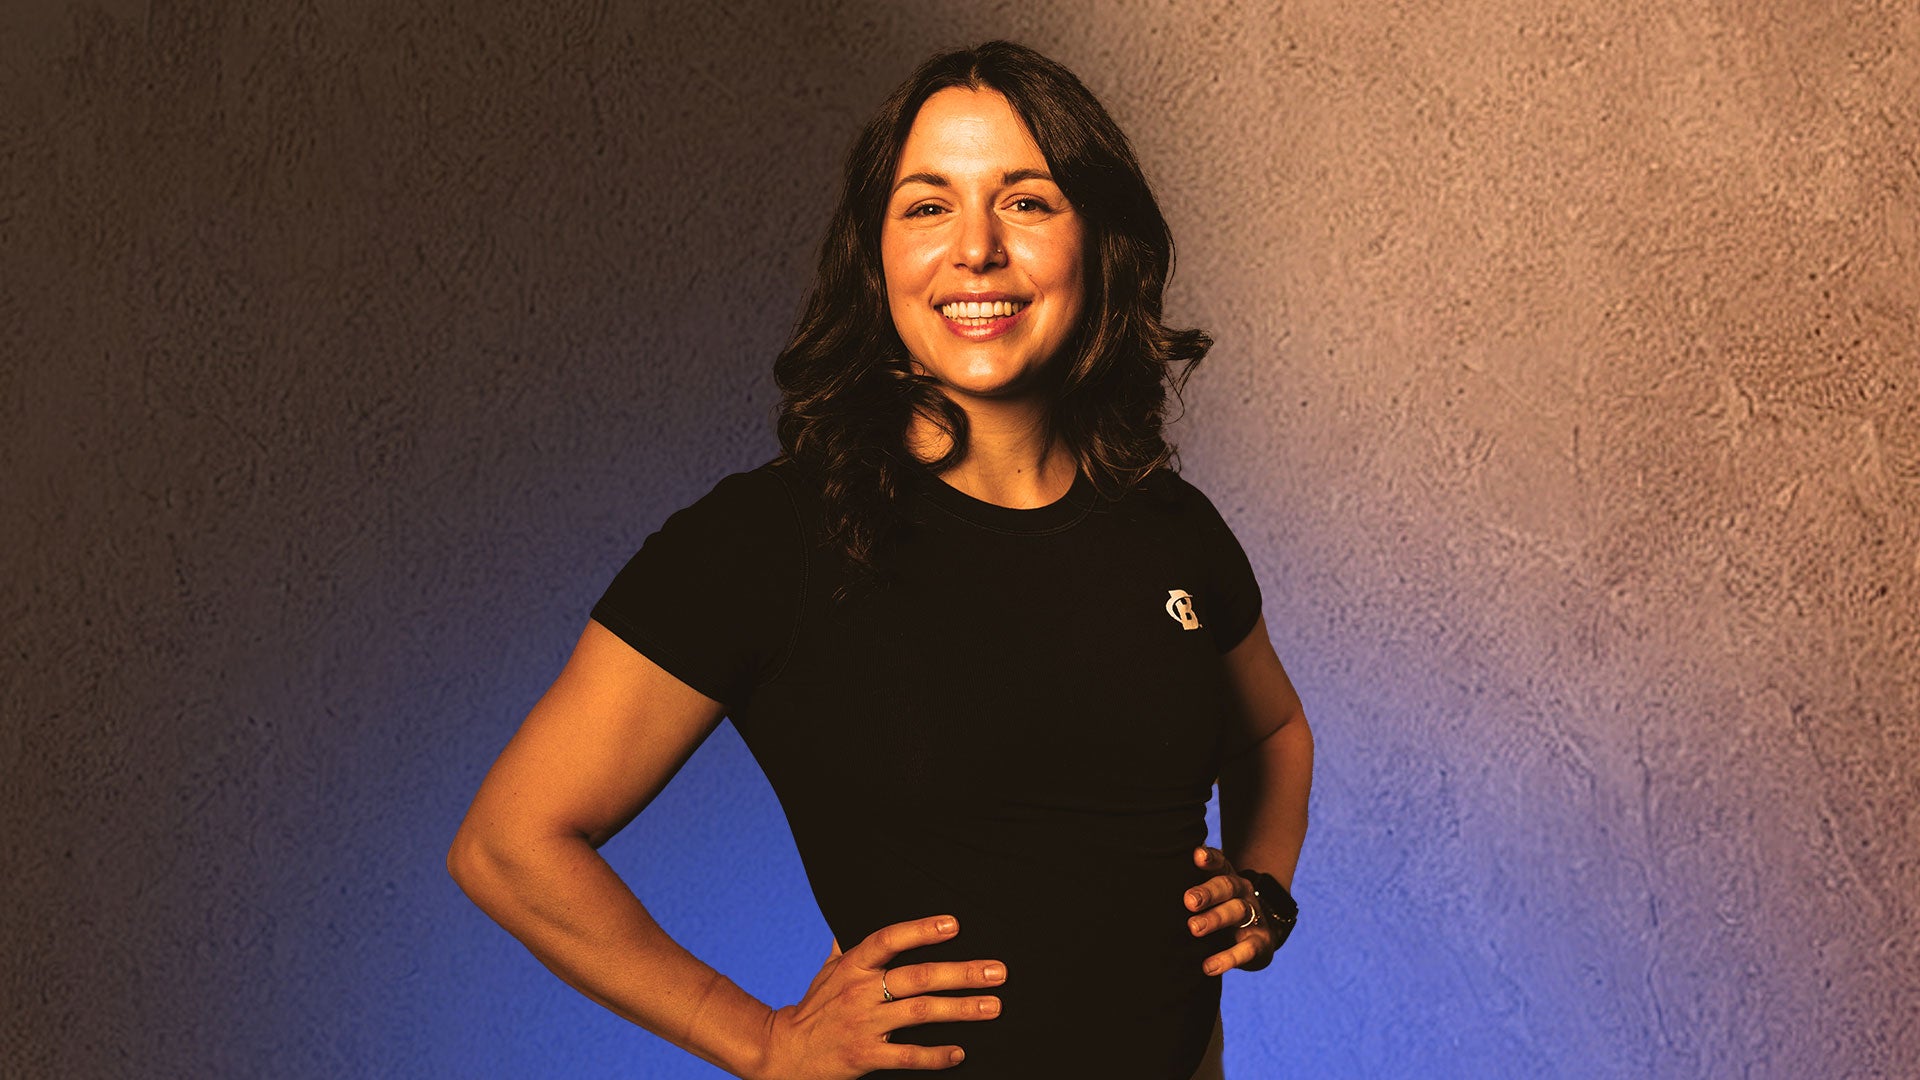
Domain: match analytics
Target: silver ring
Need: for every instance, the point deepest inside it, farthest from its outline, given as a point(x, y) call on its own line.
point(1253, 914)
point(884, 992)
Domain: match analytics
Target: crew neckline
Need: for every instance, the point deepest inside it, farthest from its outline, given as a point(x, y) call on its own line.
point(1062, 513)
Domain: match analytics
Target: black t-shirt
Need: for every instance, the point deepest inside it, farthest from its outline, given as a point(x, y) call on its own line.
point(1021, 730)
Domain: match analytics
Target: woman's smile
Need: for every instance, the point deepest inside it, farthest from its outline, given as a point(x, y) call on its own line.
point(978, 321)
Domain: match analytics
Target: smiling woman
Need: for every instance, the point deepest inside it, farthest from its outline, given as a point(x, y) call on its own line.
point(991, 651)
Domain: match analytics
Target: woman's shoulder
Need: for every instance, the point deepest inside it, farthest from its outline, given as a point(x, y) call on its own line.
point(798, 481)
point(1171, 497)
point(776, 503)
point(1166, 490)
point(713, 594)
point(746, 511)
point(748, 498)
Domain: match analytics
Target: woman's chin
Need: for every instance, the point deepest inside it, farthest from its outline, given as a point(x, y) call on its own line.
point(998, 391)
point(995, 383)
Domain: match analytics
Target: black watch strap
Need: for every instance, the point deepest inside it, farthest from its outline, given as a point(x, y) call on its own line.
point(1281, 911)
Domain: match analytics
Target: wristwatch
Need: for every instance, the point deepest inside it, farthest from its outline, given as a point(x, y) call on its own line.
point(1277, 903)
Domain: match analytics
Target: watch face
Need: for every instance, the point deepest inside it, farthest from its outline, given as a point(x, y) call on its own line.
point(1273, 895)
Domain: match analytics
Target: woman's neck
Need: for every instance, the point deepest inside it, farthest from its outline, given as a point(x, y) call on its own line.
point(1013, 459)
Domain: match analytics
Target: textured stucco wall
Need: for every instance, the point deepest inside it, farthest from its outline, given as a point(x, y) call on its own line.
point(1567, 398)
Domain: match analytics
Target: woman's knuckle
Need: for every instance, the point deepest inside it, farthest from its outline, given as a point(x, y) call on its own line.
point(920, 1009)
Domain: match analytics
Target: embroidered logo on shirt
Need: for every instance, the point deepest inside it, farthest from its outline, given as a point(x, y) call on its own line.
point(1180, 607)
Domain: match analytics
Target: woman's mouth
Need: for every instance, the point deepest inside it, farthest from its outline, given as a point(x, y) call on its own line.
point(970, 313)
point(980, 321)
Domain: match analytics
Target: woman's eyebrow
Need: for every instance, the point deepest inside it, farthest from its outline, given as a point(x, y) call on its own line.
point(1011, 176)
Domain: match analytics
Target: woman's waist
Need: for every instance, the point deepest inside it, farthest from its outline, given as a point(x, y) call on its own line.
point(1116, 933)
point(1090, 923)
point(1079, 1005)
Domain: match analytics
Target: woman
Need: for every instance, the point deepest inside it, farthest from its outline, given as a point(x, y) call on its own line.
point(989, 649)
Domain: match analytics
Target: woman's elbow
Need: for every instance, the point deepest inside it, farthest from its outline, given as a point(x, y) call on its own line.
point(498, 866)
point(461, 858)
point(474, 863)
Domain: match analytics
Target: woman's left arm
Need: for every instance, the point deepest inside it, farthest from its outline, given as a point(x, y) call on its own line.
point(1264, 780)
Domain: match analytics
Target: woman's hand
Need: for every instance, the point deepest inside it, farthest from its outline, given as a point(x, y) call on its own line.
point(838, 1031)
point(1227, 900)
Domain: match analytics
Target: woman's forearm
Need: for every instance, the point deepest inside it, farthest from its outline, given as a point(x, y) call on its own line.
point(567, 906)
point(1263, 801)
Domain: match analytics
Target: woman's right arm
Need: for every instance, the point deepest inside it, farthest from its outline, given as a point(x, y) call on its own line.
point(595, 750)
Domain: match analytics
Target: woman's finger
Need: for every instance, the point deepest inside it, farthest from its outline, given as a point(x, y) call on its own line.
point(909, 1056)
point(1214, 859)
point(1212, 891)
point(911, 979)
point(1242, 952)
point(1233, 912)
point(915, 1011)
point(879, 948)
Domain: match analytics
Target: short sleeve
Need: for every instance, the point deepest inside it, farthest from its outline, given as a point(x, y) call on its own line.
point(1233, 603)
point(714, 595)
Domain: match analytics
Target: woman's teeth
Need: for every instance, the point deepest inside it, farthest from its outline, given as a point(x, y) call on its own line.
point(979, 314)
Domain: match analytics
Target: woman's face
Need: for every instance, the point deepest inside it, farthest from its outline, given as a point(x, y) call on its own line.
point(982, 254)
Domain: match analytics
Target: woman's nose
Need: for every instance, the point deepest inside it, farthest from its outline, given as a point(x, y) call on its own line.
point(980, 245)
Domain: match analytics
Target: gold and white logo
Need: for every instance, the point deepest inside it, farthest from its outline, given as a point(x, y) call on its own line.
point(1180, 607)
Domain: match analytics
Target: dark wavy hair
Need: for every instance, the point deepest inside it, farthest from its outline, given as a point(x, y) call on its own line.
point(847, 390)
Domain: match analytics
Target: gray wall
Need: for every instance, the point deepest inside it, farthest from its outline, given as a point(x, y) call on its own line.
point(1567, 398)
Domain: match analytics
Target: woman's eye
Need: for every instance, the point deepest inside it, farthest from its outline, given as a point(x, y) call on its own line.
point(1030, 204)
point(916, 211)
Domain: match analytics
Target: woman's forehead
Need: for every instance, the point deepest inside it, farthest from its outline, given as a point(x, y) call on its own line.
point(968, 134)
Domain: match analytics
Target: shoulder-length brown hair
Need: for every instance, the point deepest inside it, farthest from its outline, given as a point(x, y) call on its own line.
point(847, 392)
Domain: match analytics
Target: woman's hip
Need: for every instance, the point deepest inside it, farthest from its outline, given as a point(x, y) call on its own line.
point(1212, 1067)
